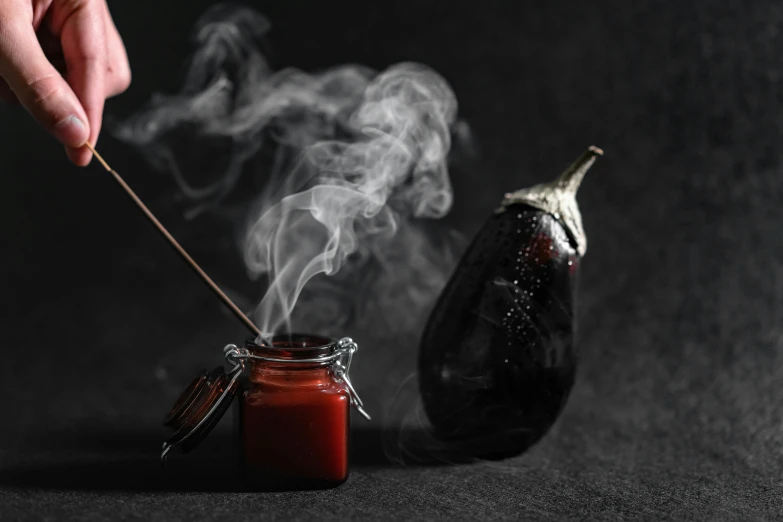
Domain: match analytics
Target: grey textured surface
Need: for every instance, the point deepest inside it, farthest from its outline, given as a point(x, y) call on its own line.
point(677, 410)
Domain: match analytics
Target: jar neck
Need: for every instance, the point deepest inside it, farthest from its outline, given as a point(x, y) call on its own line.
point(292, 360)
point(289, 374)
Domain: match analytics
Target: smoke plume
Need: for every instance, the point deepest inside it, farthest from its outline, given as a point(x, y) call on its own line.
point(344, 168)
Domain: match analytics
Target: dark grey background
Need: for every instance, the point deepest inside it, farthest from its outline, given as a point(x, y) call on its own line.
point(677, 411)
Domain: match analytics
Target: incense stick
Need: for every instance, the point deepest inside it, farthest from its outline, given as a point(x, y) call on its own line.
point(173, 242)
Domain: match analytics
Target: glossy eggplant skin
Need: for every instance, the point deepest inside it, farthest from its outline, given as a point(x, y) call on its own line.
point(497, 359)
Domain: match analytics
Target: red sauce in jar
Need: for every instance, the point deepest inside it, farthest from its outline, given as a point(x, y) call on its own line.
point(294, 419)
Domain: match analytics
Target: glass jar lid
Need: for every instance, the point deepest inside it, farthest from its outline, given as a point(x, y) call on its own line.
point(199, 408)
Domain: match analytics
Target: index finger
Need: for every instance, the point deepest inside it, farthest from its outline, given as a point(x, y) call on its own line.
point(82, 31)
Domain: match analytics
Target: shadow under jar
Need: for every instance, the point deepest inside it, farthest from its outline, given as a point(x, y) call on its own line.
point(293, 412)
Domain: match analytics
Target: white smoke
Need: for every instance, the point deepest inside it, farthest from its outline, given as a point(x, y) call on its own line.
point(348, 161)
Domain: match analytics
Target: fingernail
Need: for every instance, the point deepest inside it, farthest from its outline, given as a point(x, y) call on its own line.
point(71, 131)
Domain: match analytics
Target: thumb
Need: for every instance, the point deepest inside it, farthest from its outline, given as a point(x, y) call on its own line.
point(39, 86)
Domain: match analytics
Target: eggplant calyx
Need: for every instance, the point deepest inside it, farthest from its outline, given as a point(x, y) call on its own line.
point(558, 197)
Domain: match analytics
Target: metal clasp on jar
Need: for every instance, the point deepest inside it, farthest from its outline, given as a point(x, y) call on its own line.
point(339, 362)
point(347, 347)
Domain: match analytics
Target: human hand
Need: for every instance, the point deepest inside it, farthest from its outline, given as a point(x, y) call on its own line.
point(39, 40)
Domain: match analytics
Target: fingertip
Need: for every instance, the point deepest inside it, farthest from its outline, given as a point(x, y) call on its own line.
point(72, 155)
point(80, 157)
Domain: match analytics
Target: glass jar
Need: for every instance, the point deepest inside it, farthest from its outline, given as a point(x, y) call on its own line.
point(293, 413)
point(294, 417)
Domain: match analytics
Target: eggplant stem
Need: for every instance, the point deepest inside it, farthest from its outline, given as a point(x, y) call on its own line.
point(570, 180)
point(558, 197)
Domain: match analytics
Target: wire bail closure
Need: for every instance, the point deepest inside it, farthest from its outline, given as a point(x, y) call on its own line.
point(339, 362)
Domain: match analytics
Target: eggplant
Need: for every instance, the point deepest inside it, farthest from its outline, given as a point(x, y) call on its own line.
point(497, 359)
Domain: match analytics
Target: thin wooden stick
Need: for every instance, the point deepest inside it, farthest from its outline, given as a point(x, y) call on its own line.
point(173, 242)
